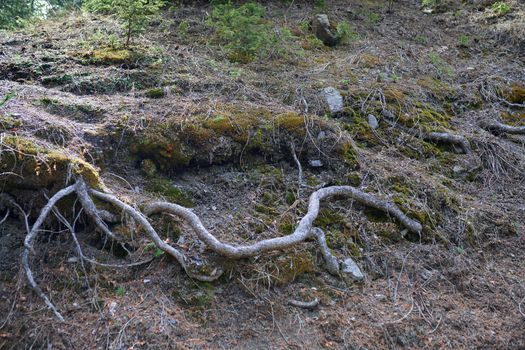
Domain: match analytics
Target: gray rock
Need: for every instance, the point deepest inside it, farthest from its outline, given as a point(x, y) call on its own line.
point(372, 121)
point(316, 163)
point(323, 30)
point(387, 114)
point(333, 99)
point(350, 267)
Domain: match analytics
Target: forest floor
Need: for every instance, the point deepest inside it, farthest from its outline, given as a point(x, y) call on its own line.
point(175, 119)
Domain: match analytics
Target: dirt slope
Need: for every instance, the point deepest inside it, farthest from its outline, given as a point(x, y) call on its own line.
point(175, 119)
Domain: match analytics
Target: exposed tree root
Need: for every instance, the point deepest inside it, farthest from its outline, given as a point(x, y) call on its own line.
point(460, 142)
point(496, 127)
point(28, 246)
point(303, 231)
point(304, 304)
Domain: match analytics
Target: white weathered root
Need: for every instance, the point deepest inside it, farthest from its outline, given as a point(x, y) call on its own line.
point(304, 304)
point(444, 137)
point(303, 231)
point(28, 246)
point(496, 127)
point(150, 231)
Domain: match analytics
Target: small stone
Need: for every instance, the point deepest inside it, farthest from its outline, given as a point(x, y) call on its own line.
point(380, 297)
point(72, 260)
point(372, 121)
point(316, 163)
point(387, 114)
point(333, 99)
point(321, 135)
point(457, 169)
point(213, 207)
point(426, 274)
point(113, 308)
point(350, 267)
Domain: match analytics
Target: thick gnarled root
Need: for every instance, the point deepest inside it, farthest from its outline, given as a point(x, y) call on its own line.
point(497, 128)
point(304, 230)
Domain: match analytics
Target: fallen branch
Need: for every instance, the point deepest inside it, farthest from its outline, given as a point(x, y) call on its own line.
point(496, 127)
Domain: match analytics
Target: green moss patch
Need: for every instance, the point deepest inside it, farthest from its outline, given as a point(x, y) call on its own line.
point(173, 194)
point(39, 167)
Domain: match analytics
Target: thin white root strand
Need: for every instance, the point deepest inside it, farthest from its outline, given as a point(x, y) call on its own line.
point(304, 304)
point(28, 246)
point(299, 169)
point(301, 233)
point(500, 128)
point(332, 264)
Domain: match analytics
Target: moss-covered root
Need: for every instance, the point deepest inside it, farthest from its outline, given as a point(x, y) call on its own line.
point(496, 127)
point(460, 142)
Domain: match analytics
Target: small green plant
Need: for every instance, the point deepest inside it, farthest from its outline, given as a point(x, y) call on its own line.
point(464, 41)
point(460, 250)
point(183, 28)
point(373, 18)
point(500, 8)
point(243, 30)
point(430, 4)
point(134, 14)
point(441, 65)
point(157, 252)
point(344, 33)
point(120, 291)
point(421, 40)
point(320, 4)
point(7, 97)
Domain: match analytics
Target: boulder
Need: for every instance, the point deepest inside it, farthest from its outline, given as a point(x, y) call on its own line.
point(333, 99)
point(324, 31)
point(350, 267)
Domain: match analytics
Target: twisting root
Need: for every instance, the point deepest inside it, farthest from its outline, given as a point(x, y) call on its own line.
point(496, 127)
point(90, 209)
point(303, 231)
point(150, 231)
point(28, 246)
